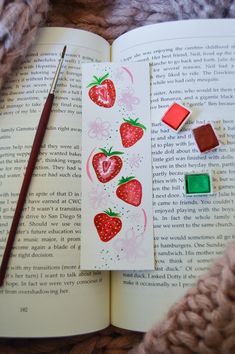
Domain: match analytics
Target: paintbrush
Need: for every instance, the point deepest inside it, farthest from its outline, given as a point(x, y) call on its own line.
point(41, 129)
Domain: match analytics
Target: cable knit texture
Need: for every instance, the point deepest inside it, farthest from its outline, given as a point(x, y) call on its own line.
point(203, 321)
point(19, 21)
point(111, 18)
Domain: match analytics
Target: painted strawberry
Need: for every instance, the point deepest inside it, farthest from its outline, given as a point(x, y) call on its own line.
point(131, 131)
point(102, 91)
point(107, 164)
point(108, 224)
point(130, 191)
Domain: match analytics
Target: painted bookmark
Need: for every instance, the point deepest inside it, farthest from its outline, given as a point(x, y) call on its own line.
point(117, 168)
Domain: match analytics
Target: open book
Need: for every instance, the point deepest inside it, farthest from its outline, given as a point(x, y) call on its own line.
point(45, 293)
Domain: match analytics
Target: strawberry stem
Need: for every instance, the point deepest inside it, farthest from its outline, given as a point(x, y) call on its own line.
point(135, 123)
point(109, 212)
point(125, 180)
point(98, 80)
point(110, 152)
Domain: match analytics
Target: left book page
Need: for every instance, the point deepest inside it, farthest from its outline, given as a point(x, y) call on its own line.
point(45, 293)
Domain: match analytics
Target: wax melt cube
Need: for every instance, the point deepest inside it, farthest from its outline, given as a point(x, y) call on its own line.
point(205, 138)
point(198, 183)
point(176, 116)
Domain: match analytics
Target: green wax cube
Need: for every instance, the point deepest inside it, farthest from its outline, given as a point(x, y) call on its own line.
point(199, 183)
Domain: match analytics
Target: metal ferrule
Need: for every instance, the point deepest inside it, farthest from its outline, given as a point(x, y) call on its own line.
point(54, 82)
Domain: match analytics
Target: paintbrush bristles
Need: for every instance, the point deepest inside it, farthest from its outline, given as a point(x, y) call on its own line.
point(54, 82)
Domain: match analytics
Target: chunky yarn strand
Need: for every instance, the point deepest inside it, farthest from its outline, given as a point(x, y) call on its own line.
point(19, 22)
point(111, 18)
point(203, 321)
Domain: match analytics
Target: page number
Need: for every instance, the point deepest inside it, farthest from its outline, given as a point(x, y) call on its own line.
point(24, 309)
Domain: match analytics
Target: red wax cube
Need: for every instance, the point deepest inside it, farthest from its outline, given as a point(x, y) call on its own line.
point(205, 138)
point(176, 116)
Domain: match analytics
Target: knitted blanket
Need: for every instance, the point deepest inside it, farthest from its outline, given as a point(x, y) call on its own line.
point(203, 321)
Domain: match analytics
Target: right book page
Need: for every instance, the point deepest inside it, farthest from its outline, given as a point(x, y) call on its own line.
point(192, 62)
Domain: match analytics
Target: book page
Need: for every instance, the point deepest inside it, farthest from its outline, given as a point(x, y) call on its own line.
point(192, 62)
point(45, 293)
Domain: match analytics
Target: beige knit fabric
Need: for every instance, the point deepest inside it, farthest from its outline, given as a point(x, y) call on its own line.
point(203, 321)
